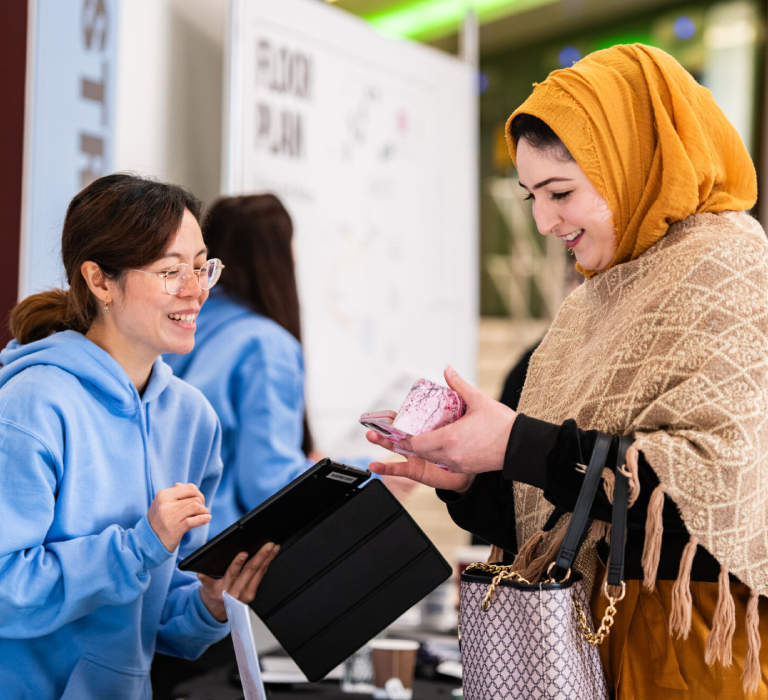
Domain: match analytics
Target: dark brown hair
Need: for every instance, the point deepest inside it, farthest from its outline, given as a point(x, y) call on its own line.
point(253, 236)
point(119, 221)
point(538, 134)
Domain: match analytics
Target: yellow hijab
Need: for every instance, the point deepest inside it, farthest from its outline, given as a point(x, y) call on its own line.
point(651, 140)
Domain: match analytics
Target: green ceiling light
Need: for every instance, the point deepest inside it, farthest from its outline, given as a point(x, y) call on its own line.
point(630, 38)
point(431, 19)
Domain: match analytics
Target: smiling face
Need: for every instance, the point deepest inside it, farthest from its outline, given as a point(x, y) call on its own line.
point(566, 204)
point(143, 318)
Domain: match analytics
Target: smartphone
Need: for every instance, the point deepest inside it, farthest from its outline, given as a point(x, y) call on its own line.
point(381, 422)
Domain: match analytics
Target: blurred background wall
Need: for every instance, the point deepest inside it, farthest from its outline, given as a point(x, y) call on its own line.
point(169, 98)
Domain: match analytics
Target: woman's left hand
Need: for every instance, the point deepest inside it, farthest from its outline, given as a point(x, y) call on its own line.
point(475, 443)
point(241, 580)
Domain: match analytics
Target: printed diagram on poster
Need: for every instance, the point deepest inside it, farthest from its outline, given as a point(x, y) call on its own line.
point(371, 144)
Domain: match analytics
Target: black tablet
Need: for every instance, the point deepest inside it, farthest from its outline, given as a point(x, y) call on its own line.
point(282, 518)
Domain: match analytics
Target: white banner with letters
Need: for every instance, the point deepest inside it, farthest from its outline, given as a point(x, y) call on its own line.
point(69, 124)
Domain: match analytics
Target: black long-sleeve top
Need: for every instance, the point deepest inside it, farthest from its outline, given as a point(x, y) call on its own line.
point(545, 455)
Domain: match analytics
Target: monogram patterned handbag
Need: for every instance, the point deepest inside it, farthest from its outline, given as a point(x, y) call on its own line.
point(535, 640)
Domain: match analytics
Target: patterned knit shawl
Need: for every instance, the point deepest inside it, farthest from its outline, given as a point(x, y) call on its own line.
point(673, 348)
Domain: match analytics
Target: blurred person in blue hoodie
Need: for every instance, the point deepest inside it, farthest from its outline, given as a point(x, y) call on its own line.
point(248, 357)
point(106, 459)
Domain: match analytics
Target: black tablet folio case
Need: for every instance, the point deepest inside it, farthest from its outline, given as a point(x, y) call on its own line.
point(344, 580)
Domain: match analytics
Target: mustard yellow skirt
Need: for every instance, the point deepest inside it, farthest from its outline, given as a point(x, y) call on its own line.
point(642, 660)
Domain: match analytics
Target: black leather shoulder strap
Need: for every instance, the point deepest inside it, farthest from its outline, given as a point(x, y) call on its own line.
point(619, 522)
point(580, 519)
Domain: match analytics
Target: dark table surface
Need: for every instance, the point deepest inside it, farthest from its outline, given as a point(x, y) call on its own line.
point(422, 690)
point(218, 685)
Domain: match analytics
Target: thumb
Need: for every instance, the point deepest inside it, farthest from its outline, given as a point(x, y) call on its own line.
point(462, 386)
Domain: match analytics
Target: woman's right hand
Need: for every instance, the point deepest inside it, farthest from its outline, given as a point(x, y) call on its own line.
point(418, 469)
point(176, 511)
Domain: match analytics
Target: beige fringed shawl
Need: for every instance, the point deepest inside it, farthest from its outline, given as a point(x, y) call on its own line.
point(672, 348)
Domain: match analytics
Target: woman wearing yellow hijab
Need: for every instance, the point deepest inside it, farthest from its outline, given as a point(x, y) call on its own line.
point(632, 164)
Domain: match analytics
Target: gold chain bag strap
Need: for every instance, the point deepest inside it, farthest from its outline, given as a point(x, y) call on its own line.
point(535, 639)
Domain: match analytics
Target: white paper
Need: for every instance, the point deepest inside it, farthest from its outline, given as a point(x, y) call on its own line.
point(245, 648)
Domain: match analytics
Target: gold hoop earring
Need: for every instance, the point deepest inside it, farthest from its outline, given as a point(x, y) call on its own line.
point(106, 307)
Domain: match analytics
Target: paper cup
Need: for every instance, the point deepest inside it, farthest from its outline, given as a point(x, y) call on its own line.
point(394, 663)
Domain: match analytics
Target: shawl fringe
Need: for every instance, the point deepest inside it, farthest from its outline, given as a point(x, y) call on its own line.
point(682, 602)
point(751, 676)
point(528, 551)
point(630, 470)
point(654, 529)
point(609, 483)
point(534, 570)
point(719, 643)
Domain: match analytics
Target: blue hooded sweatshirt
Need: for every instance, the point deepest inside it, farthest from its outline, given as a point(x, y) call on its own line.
point(87, 590)
point(252, 371)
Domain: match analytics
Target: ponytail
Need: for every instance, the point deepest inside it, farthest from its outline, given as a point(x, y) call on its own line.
point(39, 315)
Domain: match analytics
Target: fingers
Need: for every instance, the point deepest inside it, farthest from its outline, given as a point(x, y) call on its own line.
point(179, 492)
point(233, 571)
point(432, 445)
point(249, 593)
point(458, 384)
point(389, 468)
point(380, 440)
point(182, 491)
point(250, 575)
point(196, 521)
point(188, 509)
point(228, 582)
point(175, 511)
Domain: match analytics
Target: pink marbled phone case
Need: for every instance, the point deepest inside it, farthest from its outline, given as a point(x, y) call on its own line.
point(427, 407)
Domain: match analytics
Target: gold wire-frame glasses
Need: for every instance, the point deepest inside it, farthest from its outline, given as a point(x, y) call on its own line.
point(177, 277)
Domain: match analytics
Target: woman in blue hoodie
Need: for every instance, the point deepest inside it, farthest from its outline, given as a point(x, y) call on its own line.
point(106, 459)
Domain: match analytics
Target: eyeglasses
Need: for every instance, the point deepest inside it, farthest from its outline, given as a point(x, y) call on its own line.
point(176, 277)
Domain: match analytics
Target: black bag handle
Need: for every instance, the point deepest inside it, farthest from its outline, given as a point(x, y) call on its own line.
point(580, 519)
point(619, 521)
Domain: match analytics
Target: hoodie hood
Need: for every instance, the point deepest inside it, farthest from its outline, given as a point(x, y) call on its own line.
point(74, 353)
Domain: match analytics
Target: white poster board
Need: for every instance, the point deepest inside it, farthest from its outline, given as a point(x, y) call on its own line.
point(69, 124)
point(371, 143)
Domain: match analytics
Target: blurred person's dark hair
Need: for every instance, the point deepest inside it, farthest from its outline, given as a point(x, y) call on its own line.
point(119, 221)
point(253, 234)
point(538, 135)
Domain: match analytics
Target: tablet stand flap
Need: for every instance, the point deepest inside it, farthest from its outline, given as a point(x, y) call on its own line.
point(353, 574)
point(354, 521)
